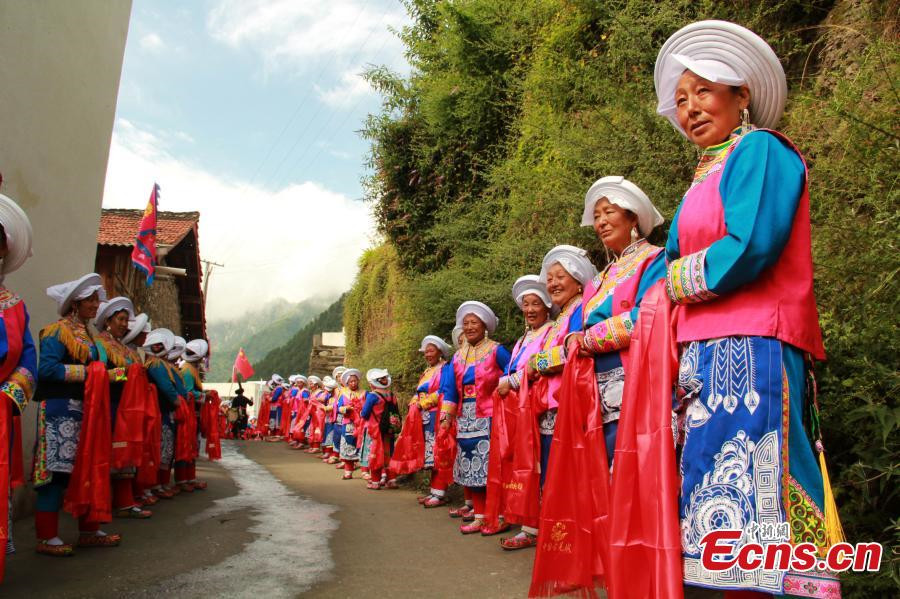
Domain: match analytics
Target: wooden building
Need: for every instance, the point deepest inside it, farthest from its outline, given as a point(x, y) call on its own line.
point(175, 299)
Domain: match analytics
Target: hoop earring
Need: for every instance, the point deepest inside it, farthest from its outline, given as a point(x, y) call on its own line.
point(745, 120)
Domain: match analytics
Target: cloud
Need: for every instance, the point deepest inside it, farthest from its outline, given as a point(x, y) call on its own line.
point(295, 242)
point(288, 33)
point(152, 42)
point(347, 92)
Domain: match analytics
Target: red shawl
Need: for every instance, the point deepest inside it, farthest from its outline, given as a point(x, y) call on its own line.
point(89, 494)
point(151, 450)
point(210, 420)
point(285, 428)
point(185, 433)
point(570, 556)
point(10, 463)
point(262, 418)
point(445, 446)
point(377, 447)
point(128, 429)
point(317, 424)
point(409, 450)
point(645, 553)
point(500, 458)
point(524, 488)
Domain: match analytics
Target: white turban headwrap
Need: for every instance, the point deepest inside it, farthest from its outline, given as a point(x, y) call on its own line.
point(18, 232)
point(373, 374)
point(195, 349)
point(329, 383)
point(314, 380)
point(66, 293)
point(624, 194)
point(574, 260)
point(301, 379)
point(275, 381)
point(345, 377)
point(108, 308)
point(727, 53)
point(437, 342)
point(162, 336)
point(480, 310)
point(337, 372)
point(137, 325)
point(530, 285)
point(457, 331)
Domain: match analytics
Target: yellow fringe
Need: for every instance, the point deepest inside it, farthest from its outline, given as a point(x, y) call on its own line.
point(833, 528)
point(80, 352)
point(195, 372)
point(114, 352)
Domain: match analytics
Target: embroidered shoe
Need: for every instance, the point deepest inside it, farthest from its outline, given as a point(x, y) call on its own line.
point(134, 512)
point(94, 540)
point(434, 501)
point(421, 499)
point(489, 531)
point(64, 550)
point(461, 512)
point(522, 540)
point(475, 526)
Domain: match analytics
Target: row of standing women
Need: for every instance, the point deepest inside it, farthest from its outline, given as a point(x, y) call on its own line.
point(706, 341)
point(115, 413)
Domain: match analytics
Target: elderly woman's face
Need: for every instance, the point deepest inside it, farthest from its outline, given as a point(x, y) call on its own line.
point(561, 286)
point(473, 329)
point(157, 348)
point(117, 324)
point(353, 382)
point(534, 310)
point(86, 309)
point(613, 225)
point(432, 354)
point(708, 112)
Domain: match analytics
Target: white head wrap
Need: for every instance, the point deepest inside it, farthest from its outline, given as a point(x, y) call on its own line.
point(329, 383)
point(137, 325)
point(301, 379)
point(163, 336)
point(110, 307)
point(337, 372)
point(530, 285)
point(574, 260)
point(437, 342)
point(374, 374)
point(348, 373)
point(624, 194)
point(722, 52)
point(275, 381)
point(66, 293)
point(178, 349)
point(314, 380)
point(479, 309)
point(292, 379)
point(195, 349)
point(18, 232)
point(457, 331)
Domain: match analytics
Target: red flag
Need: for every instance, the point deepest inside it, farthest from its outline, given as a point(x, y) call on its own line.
point(241, 367)
point(144, 253)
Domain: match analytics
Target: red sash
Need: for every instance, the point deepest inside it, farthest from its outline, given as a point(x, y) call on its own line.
point(444, 446)
point(500, 458)
point(572, 544)
point(184, 444)
point(524, 487)
point(88, 494)
point(285, 428)
point(409, 450)
point(128, 429)
point(151, 449)
point(211, 431)
point(645, 553)
point(262, 419)
point(10, 464)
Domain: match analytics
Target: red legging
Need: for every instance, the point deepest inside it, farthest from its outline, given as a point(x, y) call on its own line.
point(477, 495)
point(440, 479)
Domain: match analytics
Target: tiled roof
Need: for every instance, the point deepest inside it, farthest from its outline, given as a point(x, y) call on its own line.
point(120, 226)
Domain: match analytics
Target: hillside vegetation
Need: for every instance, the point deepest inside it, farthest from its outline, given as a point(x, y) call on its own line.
point(258, 332)
point(481, 158)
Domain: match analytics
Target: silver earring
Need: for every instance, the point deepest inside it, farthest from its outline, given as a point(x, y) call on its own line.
point(634, 234)
point(745, 119)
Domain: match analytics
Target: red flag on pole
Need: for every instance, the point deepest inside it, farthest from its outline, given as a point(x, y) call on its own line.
point(241, 367)
point(144, 253)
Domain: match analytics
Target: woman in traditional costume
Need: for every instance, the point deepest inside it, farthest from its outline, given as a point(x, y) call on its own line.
point(275, 407)
point(531, 296)
point(112, 321)
point(194, 352)
point(477, 368)
point(72, 398)
point(428, 399)
point(382, 421)
point(740, 269)
point(314, 411)
point(167, 381)
point(18, 360)
point(331, 386)
point(349, 406)
point(337, 435)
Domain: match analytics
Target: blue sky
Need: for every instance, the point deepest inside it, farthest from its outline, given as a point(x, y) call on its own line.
point(248, 111)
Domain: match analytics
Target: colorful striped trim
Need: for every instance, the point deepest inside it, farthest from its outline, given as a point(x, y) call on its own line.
point(549, 361)
point(611, 334)
point(74, 373)
point(686, 279)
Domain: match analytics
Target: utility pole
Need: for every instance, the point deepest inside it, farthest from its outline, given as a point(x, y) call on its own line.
point(207, 272)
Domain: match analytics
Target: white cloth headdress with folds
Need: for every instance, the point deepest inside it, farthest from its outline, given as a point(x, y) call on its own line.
point(373, 374)
point(530, 285)
point(314, 380)
point(457, 331)
point(575, 260)
point(337, 372)
point(66, 293)
point(624, 194)
point(110, 307)
point(137, 325)
point(178, 349)
point(18, 232)
point(345, 377)
point(437, 342)
point(329, 383)
point(481, 310)
point(195, 349)
point(162, 336)
point(727, 53)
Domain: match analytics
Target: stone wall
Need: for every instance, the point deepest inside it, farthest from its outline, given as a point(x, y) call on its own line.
point(323, 359)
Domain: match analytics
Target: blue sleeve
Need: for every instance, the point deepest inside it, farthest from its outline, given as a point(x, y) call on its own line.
point(159, 376)
point(276, 394)
point(448, 383)
point(576, 320)
point(305, 395)
point(179, 384)
point(52, 366)
point(672, 250)
point(371, 400)
point(654, 272)
point(502, 357)
point(760, 188)
point(190, 385)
